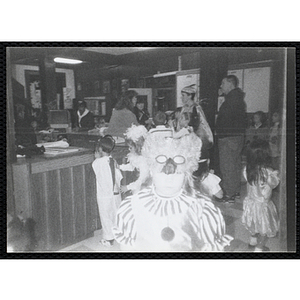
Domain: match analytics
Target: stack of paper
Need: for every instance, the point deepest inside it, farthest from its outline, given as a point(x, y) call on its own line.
point(56, 151)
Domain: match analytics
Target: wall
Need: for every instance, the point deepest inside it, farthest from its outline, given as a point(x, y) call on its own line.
point(18, 72)
point(213, 64)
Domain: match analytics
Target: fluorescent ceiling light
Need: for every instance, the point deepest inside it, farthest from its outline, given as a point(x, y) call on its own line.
point(164, 74)
point(67, 61)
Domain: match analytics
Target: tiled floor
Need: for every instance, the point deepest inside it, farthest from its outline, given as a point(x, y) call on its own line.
point(232, 214)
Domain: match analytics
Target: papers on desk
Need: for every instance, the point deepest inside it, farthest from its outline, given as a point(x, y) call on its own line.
point(58, 144)
point(56, 151)
point(56, 148)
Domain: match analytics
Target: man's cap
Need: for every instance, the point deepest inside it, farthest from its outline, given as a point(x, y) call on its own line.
point(190, 89)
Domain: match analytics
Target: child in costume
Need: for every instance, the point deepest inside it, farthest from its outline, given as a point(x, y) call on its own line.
point(169, 215)
point(260, 215)
point(108, 178)
point(183, 127)
point(135, 137)
point(159, 121)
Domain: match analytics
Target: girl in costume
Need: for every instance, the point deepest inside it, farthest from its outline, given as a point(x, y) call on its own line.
point(108, 178)
point(260, 215)
point(169, 215)
point(135, 137)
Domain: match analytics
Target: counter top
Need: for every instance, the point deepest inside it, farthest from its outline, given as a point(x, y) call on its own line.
point(44, 163)
point(44, 157)
point(95, 137)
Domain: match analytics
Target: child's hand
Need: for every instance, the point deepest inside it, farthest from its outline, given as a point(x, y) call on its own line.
point(123, 189)
point(97, 155)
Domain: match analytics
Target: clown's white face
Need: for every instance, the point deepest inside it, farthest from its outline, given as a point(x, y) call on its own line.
point(168, 185)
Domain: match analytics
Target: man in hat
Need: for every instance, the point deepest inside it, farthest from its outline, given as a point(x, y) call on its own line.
point(84, 118)
point(198, 119)
point(230, 129)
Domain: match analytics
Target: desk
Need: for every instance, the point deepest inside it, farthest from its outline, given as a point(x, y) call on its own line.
point(59, 194)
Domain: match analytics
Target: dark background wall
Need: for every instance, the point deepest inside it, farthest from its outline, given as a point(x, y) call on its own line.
point(212, 62)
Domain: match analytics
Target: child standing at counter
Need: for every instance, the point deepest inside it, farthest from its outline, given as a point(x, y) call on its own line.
point(108, 178)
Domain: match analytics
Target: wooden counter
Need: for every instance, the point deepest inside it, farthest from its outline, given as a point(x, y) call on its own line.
point(59, 194)
point(83, 139)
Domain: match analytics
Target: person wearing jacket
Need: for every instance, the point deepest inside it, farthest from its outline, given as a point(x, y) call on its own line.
point(230, 129)
point(84, 118)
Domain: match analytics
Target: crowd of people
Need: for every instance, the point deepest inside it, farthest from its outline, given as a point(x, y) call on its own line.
point(169, 200)
point(170, 205)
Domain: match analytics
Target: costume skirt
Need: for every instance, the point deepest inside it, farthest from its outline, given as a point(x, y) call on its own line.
point(260, 217)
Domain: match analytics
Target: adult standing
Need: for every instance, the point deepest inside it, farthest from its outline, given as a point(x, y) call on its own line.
point(84, 118)
point(198, 120)
point(230, 129)
point(122, 117)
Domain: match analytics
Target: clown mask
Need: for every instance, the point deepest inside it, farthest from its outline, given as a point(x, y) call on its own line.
point(171, 161)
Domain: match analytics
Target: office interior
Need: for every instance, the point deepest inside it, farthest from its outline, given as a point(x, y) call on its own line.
point(58, 191)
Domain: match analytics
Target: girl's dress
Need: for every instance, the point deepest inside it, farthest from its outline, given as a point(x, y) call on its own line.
point(148, 222)
point(260, 215)
point(108, 195)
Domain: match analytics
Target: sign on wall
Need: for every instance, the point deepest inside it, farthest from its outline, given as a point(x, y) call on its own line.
point(35, 94)
point(255, 82)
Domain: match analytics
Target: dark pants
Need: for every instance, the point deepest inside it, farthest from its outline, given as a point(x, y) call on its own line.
point(230, 153)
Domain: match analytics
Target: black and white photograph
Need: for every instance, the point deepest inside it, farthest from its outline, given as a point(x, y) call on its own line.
point(178, 178)
point(192, 150)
